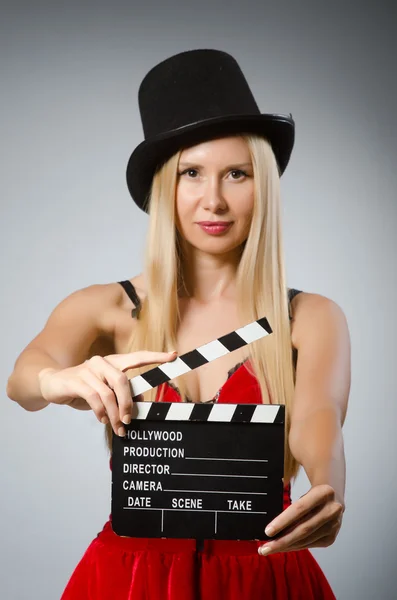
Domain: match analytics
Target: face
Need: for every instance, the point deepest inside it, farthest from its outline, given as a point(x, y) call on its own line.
point(215, 194)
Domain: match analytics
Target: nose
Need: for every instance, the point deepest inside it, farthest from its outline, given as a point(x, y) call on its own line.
point(213, 198)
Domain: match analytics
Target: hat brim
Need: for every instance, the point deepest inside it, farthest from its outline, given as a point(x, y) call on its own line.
point(149, 155)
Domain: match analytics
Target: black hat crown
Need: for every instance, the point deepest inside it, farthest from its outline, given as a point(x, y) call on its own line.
point(193, 86)
point(191, 97)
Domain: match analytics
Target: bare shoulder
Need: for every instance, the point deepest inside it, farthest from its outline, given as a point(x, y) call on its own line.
point(104, 304)
point(309, 311)
point(94, 320)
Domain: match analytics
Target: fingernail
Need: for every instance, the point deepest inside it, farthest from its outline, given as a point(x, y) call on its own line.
point(269, 530)
point(121, 431)
point(126, 419)
point(105, 420)
point(263, 550)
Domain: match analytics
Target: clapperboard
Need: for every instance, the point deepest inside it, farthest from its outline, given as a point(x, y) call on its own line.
point(208, 471)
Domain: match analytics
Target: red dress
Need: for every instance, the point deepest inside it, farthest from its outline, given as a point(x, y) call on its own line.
point(124, 568)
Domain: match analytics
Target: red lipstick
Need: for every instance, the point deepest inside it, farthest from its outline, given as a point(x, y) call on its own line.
point(215, 227)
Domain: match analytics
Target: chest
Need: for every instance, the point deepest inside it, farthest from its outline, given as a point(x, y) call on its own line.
point(199, 326)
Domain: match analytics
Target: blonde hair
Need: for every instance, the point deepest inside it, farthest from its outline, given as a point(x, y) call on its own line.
point(260, 283)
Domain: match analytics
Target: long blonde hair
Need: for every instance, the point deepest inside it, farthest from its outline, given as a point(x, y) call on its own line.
point(260, 283)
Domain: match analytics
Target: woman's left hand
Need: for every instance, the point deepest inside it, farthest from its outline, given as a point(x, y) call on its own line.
point(313, 521)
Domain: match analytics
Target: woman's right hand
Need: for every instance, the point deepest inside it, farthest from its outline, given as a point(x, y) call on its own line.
point(99, 384)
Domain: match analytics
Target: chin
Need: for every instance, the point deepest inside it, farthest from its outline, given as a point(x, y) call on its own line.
point(216, 246)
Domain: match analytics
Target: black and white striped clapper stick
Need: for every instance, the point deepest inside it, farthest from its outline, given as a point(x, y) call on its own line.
point(200, 356)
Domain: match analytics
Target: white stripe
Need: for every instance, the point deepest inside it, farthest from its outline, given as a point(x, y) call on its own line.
point(140, 409)
point(175, 368)
point(222, 412)
point(213, 350)
point(139, 385)
point(252, 332)
point(265, 413)
point(179, 411)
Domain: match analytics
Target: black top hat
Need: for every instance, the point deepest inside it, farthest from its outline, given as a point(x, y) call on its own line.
point(192, 97)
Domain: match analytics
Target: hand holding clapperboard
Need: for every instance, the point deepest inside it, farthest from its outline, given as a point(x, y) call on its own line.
point(191, 470)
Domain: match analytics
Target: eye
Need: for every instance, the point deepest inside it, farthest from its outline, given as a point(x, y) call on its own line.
point(239, 172)
point(188, 171)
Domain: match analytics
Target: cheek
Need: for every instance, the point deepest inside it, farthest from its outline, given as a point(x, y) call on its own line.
point(242, 199)
point(246, 209)
point(183, 213)
point(244, 228)
point(184, 202)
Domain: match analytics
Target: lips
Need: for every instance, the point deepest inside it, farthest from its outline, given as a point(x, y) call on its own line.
point(215, 228)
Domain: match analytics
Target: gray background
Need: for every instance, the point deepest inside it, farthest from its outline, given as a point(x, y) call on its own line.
point(69, 121)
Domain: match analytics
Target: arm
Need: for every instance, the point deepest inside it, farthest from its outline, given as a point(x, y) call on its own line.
point(321, 392)
point(318, 413)
point(68, 338)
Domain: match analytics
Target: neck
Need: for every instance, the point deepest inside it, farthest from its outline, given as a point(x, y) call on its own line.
point(209, 277)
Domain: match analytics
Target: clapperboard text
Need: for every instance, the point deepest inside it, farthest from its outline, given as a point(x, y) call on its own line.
point(150, 452)
point(161, 469)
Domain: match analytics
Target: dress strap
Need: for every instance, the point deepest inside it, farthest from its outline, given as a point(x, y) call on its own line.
point(131, 292)
point(291, 295)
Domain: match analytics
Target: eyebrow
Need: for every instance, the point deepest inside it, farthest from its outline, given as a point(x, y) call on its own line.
point(234, 165)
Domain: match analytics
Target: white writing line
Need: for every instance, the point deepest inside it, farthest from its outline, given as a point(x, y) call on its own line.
point(236, 459)
point(216, 492)
point(218, 475)
point(229, 512)
point(162, 519)
point(216, 515)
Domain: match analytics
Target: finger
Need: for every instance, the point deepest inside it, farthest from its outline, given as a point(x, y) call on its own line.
point(322, 537)
point(315, 497)
point(300, 531)
point(124, 362)
point(79, 404)
point(292, 526)
point(307, 532)
point(107, 398)
point(89, 394)
point(114, 392)
point(120, 384)
point(117, 381)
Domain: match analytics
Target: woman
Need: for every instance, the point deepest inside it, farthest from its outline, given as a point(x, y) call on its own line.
point(208, 174)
